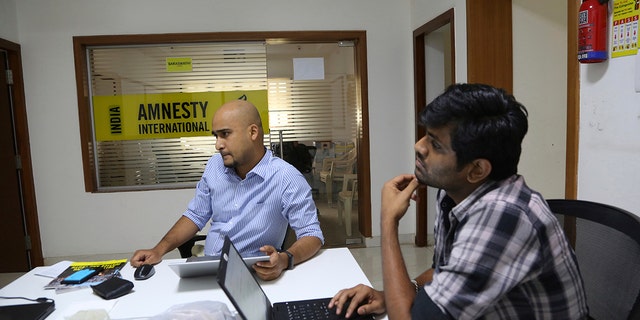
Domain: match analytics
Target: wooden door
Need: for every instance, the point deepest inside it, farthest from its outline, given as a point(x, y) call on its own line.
point(13, 255)
point(19, 230)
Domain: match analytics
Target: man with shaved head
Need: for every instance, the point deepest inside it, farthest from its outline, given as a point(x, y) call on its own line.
point(248, 194)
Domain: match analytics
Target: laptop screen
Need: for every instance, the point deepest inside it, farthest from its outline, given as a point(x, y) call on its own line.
point(243, 290)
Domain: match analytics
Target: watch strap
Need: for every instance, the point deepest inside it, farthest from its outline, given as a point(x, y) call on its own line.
point(289, 259)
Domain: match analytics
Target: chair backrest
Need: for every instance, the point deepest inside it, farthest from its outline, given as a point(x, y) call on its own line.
point(352, 154)
point(185, 248)
point(289, 238)
point(348, 164)
point(297, 154)
point(606, 241)
point(350, 186)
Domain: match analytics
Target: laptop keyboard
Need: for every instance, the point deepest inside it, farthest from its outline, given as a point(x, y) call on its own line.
point(310, 310)
point(314, 309)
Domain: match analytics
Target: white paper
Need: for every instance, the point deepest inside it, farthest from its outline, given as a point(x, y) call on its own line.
point(54, 270)
point(308, 68)
point(98, 310)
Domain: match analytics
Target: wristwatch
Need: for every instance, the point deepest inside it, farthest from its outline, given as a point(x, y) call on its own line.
point(290, 258)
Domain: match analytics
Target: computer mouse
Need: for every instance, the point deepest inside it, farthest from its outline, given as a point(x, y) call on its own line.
point(144, 272)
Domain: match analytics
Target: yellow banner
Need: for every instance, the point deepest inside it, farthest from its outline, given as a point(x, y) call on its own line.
point(166, 115)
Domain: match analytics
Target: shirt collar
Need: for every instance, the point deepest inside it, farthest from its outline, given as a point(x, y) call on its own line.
point(462, 208)
point(261, 169)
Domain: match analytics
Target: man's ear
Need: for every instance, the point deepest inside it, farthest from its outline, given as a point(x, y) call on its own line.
point(480, 170)
point(254, 131)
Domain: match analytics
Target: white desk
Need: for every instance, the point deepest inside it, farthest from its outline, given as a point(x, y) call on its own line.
point(322, 276)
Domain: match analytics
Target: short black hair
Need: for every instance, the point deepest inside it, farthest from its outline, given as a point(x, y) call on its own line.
point(487, 123)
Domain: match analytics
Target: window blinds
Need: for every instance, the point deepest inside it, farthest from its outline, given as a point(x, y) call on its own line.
point(303, 111)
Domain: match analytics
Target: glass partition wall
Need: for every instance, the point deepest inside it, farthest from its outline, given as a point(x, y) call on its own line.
point(315, 120)
point(313, 116)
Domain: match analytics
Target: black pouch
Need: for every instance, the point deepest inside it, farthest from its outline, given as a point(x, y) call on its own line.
point(113, 288)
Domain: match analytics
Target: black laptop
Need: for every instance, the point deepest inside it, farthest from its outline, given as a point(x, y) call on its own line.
point(252, 303)
point(28, 311)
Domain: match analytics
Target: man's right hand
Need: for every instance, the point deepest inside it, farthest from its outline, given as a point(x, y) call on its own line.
point(396, 194)
point(362, 299)
point(181, 231)
point(145, 256)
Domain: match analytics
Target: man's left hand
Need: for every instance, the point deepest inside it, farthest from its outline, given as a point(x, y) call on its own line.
point(272, 269)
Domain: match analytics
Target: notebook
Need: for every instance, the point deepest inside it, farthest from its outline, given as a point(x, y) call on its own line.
point(252, 303)
point(206, 265)
point(29, 311)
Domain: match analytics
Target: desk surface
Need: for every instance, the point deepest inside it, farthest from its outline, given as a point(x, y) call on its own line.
point(322, 276)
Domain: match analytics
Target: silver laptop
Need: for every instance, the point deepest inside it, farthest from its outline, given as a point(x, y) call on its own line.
point(252, 303)
point(207, 265)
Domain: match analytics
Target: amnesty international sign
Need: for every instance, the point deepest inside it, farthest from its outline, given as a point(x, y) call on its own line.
point(165, 115)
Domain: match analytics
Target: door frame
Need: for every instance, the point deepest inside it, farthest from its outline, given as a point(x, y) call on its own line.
point(14, 55)
point(489, 60)
point(420, 101)
point(573, 101)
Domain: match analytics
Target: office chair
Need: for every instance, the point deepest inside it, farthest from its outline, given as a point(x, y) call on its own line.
point(289, 238)
point(297, 154)
point(334, 169)
point(186, 249)
point(606, 241)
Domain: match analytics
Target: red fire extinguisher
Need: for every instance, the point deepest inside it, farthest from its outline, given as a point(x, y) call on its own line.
point(592, 31)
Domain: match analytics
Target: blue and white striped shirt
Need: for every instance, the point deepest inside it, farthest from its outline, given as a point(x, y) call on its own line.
point(255, 211)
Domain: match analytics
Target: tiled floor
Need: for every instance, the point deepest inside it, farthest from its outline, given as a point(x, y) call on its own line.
point(6, 278)
point(416, 259)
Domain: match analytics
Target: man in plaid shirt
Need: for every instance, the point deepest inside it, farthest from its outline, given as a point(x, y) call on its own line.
point(499, 251)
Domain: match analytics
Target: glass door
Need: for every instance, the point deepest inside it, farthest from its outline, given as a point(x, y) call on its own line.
point(315, 120)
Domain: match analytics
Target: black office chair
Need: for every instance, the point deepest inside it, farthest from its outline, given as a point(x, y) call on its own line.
point(297, 154)
point(606, 240)
point(289, 238)
point(185, 248)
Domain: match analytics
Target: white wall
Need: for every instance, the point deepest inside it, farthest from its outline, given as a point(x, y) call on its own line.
point(609, 154)
point(75, 222)
point(540, 84)
point(8, 20)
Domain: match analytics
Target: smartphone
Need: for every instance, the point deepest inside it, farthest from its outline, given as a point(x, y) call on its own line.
point(81, 276)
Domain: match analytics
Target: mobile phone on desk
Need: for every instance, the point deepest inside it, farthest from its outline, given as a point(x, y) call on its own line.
point(81, 276)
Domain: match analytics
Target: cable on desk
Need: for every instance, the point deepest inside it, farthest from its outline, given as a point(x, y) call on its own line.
point(41, 299)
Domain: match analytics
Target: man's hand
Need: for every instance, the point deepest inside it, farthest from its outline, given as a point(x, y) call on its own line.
point(362, 299)
point(145, 256)
point(181, 231)
point(272, 269)
point(396, 194)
